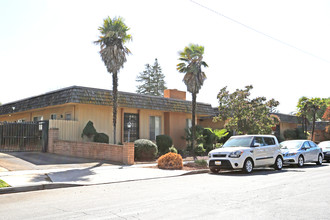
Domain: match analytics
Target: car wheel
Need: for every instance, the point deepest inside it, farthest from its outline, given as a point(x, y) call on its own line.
point(278, 163)
point(320, 160)
point(215, 170)
point(301, 161)
point(248, 166)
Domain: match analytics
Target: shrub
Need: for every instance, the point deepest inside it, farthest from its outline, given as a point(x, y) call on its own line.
point(170, 161)
point(199, 150)
point(164, 142)
point(89, 130)
point(145, 150)
point(296, 133)
point(290, 134)
point(101, 138)
point(173, 150)
point(201, 163)
point(184, 153)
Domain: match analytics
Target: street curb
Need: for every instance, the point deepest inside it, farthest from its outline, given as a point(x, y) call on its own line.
point(196, 172)
point(7, 190)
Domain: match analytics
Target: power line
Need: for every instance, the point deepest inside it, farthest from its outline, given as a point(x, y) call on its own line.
point(260, 32)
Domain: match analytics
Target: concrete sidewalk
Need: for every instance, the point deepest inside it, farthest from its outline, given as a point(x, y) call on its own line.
point(27, 180)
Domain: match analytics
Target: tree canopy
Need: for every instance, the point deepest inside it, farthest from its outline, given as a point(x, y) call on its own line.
point(245, 115)
point(152, 80)
point(310, 107)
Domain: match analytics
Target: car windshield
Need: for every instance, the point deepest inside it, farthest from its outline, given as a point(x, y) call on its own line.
point(238, 142)
point(325, 145)
point(290, 144)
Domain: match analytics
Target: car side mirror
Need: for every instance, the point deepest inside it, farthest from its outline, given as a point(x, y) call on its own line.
point(256, 145)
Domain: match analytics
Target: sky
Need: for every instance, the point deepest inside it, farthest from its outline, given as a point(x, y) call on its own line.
point(279, 47)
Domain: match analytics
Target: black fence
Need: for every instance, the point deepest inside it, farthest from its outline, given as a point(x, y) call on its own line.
point(23, 136)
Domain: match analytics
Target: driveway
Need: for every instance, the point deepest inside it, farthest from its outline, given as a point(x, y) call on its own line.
point(15, 161)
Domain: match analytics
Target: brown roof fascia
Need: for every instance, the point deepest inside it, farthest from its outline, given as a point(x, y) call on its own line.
point(85, 95)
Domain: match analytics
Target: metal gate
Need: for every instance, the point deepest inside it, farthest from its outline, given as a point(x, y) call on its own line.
point(23, 136)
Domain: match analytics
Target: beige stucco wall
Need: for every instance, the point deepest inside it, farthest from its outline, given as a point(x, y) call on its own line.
point(175, 128)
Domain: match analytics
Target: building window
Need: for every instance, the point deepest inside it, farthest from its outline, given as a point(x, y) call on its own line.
point(68, 116)
point(154, 127)
point(53, 116)
point(188, 123)
point(38, 118)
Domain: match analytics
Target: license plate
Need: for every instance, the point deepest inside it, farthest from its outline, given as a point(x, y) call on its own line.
point(217, 162)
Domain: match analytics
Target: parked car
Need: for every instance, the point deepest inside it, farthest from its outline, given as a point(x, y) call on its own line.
point(299, 152)
point(325, 146)
point(244, 152)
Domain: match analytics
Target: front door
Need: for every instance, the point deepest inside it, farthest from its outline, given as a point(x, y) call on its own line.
point(131, 127)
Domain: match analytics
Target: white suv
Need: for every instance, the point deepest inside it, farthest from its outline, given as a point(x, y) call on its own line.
point(245, 152)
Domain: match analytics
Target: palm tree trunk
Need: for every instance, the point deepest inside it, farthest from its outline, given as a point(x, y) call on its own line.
point(193, 126)
point(115, 103)
point(313, 127)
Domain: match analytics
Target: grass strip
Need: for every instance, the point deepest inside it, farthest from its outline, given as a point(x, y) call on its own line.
point(3, 184)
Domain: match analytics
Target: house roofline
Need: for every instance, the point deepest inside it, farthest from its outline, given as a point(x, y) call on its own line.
point(81, 94)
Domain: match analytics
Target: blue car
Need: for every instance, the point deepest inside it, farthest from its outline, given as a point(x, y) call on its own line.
point(299, 152)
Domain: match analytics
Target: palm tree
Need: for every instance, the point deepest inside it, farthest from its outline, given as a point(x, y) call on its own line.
point(113, 53)
point(191, 66)
point(314, 105)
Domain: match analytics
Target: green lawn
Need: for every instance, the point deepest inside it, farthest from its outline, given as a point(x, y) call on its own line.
point(3, 184)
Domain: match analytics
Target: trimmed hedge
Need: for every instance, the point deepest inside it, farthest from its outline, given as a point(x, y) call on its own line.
point(89, 130)
point(145, 150)
point(164, 142)
point(101, 138)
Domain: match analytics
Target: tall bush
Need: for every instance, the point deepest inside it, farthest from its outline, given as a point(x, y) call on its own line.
point(164, 142)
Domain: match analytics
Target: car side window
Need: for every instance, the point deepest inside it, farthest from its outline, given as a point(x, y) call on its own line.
point(258, 140)
point(312, 144)
point(306, 145)
point(269, 141)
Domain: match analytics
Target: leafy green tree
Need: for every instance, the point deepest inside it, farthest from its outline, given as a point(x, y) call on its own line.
point(311, 106)
point(245, 115)
point(113, 53)
point(152, 80)
point(191, 65)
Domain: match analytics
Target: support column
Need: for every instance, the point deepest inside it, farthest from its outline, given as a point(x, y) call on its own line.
point(53, 134)
point(128, 153)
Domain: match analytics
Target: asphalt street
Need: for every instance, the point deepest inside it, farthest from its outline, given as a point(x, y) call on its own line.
point(265, 194)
